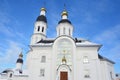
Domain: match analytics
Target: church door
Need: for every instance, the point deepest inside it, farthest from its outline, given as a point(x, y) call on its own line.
point(63, 75)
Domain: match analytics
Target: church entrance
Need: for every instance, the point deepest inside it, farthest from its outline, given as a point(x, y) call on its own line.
point(63, 75)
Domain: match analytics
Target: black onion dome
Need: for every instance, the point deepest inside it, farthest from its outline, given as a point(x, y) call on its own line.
point(41, 18)
point(19, 61)
point(64, 21)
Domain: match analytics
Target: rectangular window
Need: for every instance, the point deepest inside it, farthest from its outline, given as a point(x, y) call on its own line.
point(59, 31)
point(63, 30)
point(43, 59)
point(38, 28)
point(42, 72)
point(87, 74)
point(85, 60)
point(111, 75)
point(42, 29)
point(69, 32)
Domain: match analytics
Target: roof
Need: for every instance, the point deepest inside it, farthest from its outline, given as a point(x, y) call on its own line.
point(41, 18)
point(46, 41)
point(64, 21)
point(7, 70)
point(104, 58)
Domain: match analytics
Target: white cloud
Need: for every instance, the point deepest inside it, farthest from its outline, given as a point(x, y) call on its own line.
point(10, 47)
point(109, 35)
point(11, 54)
point(110, 39)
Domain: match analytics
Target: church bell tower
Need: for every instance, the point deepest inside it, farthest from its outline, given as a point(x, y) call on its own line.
point(39, 27)
point(64, 25)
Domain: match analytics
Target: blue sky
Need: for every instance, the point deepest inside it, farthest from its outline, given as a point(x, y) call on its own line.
point(95, 20)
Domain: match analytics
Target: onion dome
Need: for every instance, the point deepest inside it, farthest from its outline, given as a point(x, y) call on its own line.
point(64, 13)
point(43, 9)
point(64, 17)
point(64, 59)
point(42, 16)
point(64, 21)
point(19, 60)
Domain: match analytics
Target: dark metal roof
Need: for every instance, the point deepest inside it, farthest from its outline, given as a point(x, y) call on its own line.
point(46, 41)
point(41, 18)
point(6, 71)
point(103, 58)
point(64, 21)
point(77, 41)
point(19, 61)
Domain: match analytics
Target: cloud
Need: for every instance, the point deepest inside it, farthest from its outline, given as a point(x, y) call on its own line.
point(110, 39)
point(110, 35)
point(11, 54)
point(12, 40)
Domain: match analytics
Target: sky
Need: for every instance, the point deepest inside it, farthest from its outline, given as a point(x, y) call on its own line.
point(95, 20)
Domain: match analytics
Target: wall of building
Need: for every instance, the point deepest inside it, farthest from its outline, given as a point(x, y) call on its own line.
point(35, 63)
point(107, 70)
point(87, 69)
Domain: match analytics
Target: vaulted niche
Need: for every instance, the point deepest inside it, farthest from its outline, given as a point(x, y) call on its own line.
point(64, 51)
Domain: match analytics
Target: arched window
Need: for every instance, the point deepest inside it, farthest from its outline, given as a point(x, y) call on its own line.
point(38, 28)
point(59, 31)
point(42, 29)
point(64, 30)
point(10, 75)
point(111, 76)
point(69, 31)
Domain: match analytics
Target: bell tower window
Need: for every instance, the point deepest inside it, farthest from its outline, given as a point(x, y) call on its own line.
point(38, 28)
point(42, 29)
point(69, 31)
point(63, 30)
point(59, 31)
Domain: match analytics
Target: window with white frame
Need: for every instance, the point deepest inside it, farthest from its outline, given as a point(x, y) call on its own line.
point(87, 74)
point(42, 72)
point(43, 59)
point(85, 60)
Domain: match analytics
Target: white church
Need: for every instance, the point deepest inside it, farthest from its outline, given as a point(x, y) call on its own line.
point(61, 58)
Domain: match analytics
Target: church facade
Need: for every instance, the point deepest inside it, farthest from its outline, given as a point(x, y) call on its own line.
point(60, 58)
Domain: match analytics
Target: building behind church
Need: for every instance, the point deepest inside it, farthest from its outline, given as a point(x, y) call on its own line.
point(61, 58)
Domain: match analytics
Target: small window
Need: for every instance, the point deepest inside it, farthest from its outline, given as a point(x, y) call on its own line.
point(85, 59)
point(63, 30)
point(43, 59)
point(10, 75)
point(69, 32)
point(59, 31)
point(87, 74)
point(42, 72)
point(42, 29)
point(38, 28)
